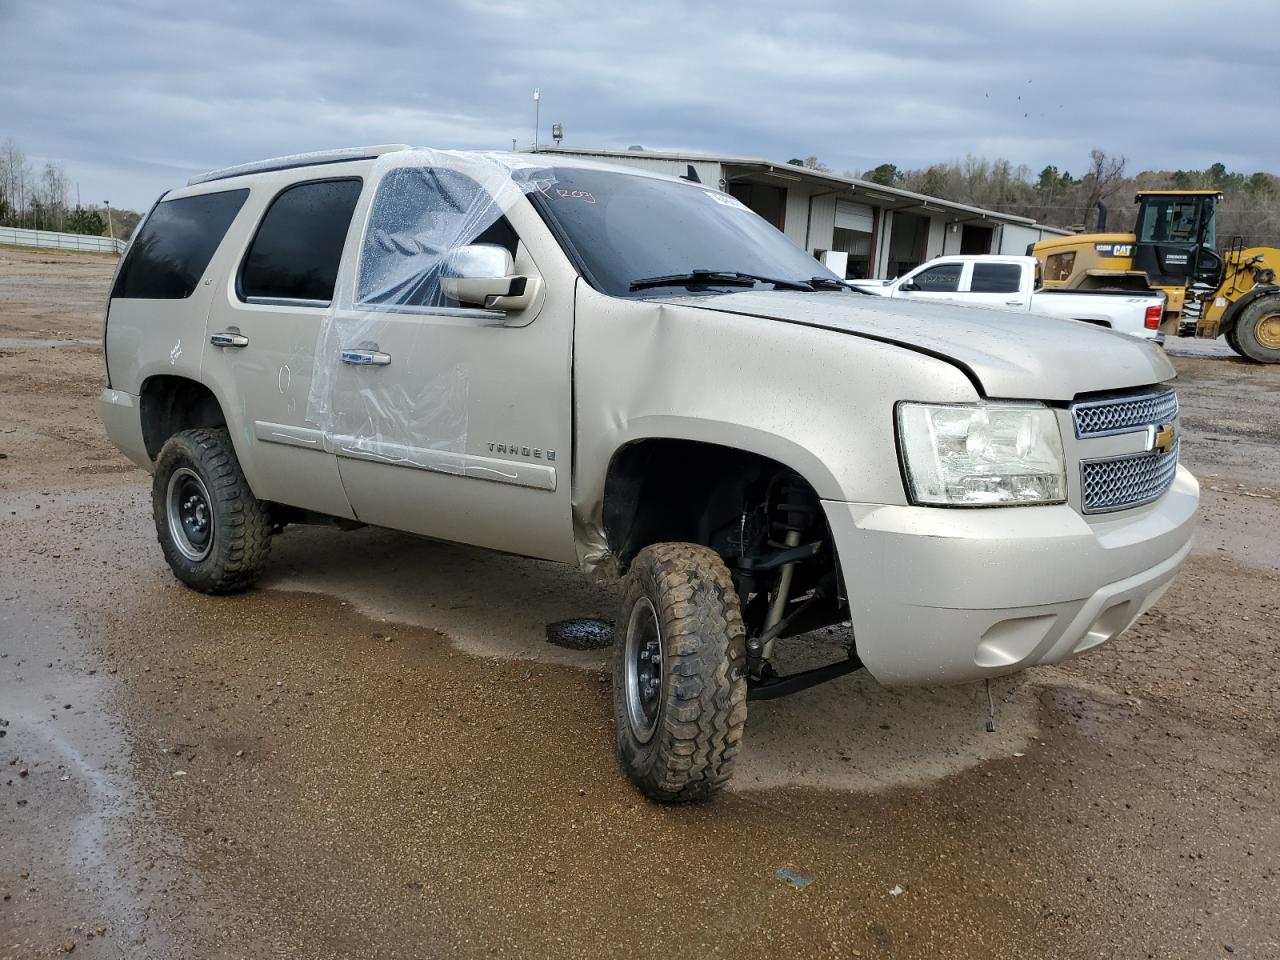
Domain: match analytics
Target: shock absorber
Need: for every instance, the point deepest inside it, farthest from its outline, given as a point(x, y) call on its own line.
point(792, 515)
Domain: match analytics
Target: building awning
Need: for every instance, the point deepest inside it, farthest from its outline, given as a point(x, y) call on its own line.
point(887, 198)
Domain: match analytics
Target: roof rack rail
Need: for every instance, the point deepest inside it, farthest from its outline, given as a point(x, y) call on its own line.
point(314, 158)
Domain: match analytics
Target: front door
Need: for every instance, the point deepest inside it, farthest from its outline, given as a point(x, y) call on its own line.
point(936, 281)
point(263, 332)
point(452, 422)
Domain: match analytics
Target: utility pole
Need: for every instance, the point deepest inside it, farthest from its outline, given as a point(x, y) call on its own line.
point(110, 230)
point(537, 116)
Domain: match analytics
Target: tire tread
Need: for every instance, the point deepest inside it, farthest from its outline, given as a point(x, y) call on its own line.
point(242, 544)
point(704, 642)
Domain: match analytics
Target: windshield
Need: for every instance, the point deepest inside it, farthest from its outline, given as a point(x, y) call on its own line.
point(1175, 220)
point(628, 231)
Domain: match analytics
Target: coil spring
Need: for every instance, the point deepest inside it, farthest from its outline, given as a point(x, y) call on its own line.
point(793, 510)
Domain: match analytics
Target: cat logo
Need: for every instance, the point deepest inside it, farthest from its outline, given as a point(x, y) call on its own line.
point(1113, 249)
point(1163, 438)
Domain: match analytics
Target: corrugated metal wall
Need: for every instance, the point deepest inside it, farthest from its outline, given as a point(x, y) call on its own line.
point(824, 222)
point(937, 237)
point(1014, 238)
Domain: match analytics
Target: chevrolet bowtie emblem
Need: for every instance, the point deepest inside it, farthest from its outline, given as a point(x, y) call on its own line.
point(1163, 437)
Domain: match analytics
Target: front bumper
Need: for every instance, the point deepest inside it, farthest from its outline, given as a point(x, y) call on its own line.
point(942, 596)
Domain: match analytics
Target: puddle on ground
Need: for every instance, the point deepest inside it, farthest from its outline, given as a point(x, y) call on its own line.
point(583, 633)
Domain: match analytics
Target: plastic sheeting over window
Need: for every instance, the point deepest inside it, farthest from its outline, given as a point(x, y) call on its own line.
point(420, 216)
point(427, 205)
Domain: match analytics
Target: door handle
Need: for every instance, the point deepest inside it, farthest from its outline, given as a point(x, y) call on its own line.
point(366, 358)
point(229, 338)
point(1014, 303)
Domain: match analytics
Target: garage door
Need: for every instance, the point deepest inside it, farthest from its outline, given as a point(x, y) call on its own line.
point(853, 216)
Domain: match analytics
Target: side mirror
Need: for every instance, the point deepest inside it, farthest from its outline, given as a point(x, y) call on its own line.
point(908, 286)
point(483, 275)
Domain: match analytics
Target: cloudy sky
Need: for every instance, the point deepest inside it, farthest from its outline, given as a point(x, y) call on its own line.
point(135, 96)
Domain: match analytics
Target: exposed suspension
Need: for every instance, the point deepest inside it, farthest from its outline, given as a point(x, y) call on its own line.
point(792, 516)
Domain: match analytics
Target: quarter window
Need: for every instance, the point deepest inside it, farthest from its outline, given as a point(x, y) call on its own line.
point(296, 251)
point(996, 278)
point(944, 278)
point(172, 250)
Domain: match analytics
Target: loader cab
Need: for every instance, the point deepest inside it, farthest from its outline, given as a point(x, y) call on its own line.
point(1175, 237)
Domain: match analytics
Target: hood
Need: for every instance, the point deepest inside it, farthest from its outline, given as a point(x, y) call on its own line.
point(879, 287)
point(1008, 354)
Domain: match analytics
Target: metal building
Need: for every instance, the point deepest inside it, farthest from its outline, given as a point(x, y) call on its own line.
point(881, 231)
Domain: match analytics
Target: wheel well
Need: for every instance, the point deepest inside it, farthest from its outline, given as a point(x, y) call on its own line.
point(1231, 316)
point(749, 508)
point(1096, 323)
point(169, 405)
point(685, 491)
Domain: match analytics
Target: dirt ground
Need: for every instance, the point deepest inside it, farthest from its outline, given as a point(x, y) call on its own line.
point(376, 753)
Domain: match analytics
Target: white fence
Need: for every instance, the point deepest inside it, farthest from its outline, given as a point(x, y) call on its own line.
point(60, 241)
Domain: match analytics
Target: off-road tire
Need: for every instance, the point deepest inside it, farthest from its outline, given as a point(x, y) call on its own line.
point(240, 523)
point(1247, 325)
point(703, 698)
point(1230, 337)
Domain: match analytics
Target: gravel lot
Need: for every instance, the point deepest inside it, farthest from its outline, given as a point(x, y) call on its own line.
point(376, 753)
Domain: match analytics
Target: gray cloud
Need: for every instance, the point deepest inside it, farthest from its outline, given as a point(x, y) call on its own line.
point(134, 97)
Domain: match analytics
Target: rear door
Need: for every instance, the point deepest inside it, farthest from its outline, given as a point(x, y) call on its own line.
point(262, 342)
point(999, 283)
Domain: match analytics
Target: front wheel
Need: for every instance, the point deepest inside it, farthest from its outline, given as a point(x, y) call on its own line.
point(215, 534)
point(1230, 337)
point(679, 673)
point(1257, 330)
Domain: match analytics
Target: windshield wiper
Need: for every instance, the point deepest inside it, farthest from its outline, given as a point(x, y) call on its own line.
point(827, 283)
point(723, 278)
point(831, 283)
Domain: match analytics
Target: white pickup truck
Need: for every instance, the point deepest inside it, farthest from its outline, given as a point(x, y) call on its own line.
point(1011, 282)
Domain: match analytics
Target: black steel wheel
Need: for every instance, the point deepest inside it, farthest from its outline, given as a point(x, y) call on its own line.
point(679, 677)
point(190, 514)
point(215, 534)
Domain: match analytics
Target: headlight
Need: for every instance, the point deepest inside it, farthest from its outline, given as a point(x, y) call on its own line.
point(981, 454)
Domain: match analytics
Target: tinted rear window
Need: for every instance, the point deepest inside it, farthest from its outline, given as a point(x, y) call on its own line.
point(169, 256)
point(996, 278)
point(296, 252)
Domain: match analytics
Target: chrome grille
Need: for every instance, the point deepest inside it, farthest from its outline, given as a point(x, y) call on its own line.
point(1100, 418)
point(1122, 482)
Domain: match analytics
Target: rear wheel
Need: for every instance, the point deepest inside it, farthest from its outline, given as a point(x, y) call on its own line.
point(679, 673)
point(215, 534)
point(1257, 330)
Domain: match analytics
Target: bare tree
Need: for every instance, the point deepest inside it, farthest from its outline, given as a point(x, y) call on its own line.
point(53, 195)
point(1104, 177)
point(15, 180)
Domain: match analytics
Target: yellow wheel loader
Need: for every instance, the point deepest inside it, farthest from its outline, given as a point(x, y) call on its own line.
point(1173, 249)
